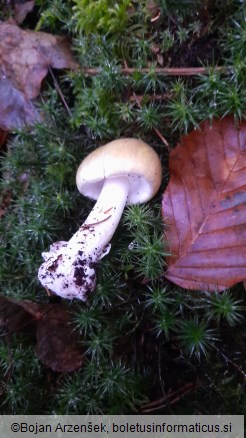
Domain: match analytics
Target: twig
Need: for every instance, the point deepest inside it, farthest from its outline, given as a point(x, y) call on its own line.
point(170, 399)
point(150, 97)
point(60, 92)
point(162, 139)
point(168, 71)
point(87, 226)
point(233, 364)
point(154, 128)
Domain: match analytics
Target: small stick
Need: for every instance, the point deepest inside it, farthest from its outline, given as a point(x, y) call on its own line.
point(169, 399)
point(169, 71)
point(150, 97)
point(60, 92)
point(162, 139)
point(233, 364)
point(86, 226)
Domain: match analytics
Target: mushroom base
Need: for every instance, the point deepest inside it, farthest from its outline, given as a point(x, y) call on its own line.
point(67, 272)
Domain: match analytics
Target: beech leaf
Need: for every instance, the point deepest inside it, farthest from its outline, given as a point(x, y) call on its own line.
point(14, 318)
point(204, 207)
point(16, 110)
point(57, 342)
point(21, 9)
point(25, 57)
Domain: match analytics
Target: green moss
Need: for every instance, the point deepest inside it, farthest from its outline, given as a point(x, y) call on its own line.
point(102, 15)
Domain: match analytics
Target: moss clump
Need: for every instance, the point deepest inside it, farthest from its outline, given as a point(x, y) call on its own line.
point(102, 15)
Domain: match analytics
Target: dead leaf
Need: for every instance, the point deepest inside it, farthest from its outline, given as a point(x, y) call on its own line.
point(204, 207)
point(57, 342)
point(21, 9)
point(14, 318)
point(25, 57)
point(16, 110)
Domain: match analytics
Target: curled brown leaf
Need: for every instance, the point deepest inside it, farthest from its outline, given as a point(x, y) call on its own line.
point(204, 207)
point(25, 57)
point(57, 342)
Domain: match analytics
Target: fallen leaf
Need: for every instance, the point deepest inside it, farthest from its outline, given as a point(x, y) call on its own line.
point(34, 309)
point(21, 9)
point(57, 342)
point(14, 318)
point(16, 110)
point(204, 207)
point(25, 57)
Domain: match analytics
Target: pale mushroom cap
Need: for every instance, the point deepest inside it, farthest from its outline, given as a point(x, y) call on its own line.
point(123, 157)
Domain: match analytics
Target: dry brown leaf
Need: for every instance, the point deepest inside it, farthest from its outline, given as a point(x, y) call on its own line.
point(21, 9)
point(204, 207)
point(57, 343)
point(25, 57)
point(16, 110)
point(14, 318)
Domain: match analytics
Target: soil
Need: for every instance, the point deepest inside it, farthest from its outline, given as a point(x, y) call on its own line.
point(204, 51)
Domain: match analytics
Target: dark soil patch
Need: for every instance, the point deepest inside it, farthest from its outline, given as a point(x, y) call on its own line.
point(204, 51)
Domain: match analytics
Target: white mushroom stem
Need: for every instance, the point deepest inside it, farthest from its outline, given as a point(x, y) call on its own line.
point(68, 269)
point(99, 227)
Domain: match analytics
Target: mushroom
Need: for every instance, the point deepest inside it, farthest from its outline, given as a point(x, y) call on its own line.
point(124, 171)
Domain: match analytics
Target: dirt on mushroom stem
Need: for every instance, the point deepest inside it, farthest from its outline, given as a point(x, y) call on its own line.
point(69, 267)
